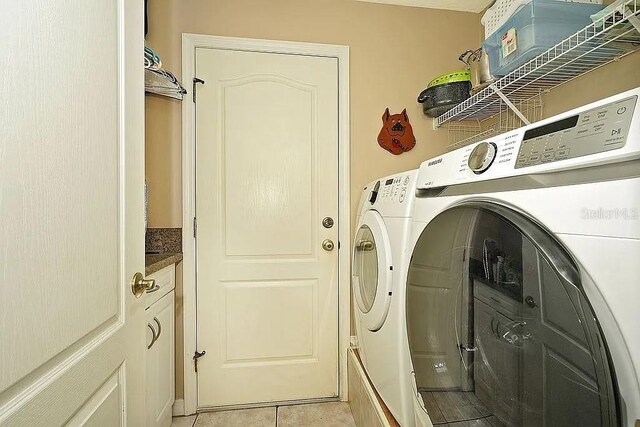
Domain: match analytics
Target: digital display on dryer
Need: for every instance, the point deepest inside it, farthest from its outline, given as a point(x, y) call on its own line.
point(389, 181)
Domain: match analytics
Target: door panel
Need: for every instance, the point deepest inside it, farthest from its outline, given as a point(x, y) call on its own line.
point(103, 408)
point(266, 141)
point(290, 310)
point(275, 215)
point(71, 213)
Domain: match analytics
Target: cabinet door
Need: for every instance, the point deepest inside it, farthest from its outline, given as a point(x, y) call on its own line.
point(160, 362)
point(496, 364)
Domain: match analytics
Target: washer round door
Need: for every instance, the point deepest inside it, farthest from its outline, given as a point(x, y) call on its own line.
point(372, 271)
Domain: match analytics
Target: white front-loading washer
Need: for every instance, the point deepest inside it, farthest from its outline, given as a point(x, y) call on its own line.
point(379, 265)
point(523, 290)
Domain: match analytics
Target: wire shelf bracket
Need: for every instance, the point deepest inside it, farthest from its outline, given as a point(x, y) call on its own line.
point(633, 19)
point(510, 105)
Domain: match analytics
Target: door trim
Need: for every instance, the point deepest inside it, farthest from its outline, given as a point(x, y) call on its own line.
point(189, 44)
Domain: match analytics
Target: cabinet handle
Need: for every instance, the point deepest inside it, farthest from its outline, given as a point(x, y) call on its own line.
point(155, 319)
point(154, 338)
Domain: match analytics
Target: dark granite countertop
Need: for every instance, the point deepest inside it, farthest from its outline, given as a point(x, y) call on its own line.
point(156, 262)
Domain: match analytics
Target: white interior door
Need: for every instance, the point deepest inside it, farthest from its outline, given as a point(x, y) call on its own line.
point(267, 167)
point(71, 213)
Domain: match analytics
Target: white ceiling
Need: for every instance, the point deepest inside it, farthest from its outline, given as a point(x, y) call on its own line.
point(461, 5)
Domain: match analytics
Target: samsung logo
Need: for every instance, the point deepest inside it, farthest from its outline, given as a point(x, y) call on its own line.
point(434, 162)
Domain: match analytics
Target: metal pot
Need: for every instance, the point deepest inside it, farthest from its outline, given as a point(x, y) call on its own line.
point(478, 63)
point(445, 92)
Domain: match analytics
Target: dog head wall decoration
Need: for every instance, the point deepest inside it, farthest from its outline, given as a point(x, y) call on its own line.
point(396, 135)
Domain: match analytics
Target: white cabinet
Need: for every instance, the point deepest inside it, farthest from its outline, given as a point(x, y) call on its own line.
point(160, 365)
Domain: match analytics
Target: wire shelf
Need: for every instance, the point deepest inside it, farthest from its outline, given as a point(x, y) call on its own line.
point(470, 131)
point(163, 83)
point(614, 35)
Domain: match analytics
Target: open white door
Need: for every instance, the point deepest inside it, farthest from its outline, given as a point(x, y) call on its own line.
point(72, 334)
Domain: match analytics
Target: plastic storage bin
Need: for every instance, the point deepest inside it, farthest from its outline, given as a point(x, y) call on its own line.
point(533, 29)
point(496, 16)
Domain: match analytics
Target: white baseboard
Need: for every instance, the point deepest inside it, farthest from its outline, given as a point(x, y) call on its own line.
point(178, 408)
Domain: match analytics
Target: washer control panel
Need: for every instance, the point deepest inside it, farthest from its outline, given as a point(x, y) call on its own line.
point(603, 132)
point(593, 131)
point(395, 194)
point(394, 188)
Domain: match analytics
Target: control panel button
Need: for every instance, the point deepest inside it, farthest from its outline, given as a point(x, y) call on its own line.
point(562, 153)
point(403, 194)
point(548, 156)
point(482, 157)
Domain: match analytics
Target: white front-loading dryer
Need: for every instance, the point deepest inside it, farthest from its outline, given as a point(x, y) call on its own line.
point(522, 290)
point(379, 265)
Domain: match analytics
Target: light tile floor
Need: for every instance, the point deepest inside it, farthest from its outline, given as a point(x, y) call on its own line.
point(333, 414)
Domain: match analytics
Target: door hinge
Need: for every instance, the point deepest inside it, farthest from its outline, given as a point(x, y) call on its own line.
point(195, 227)
point(197, 355)
point(195, 82)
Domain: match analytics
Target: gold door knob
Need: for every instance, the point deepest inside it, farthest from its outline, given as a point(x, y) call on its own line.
point(139, 285)
point(327, 245)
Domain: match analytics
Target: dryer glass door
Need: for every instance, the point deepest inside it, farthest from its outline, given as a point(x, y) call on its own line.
point(496, 313)
point(372, 274)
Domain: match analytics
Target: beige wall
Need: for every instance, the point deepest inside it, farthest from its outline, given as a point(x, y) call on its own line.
point(605, 81)
point(394, 51)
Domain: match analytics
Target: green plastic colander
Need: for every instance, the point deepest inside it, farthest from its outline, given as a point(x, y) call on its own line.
point(456, 76)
